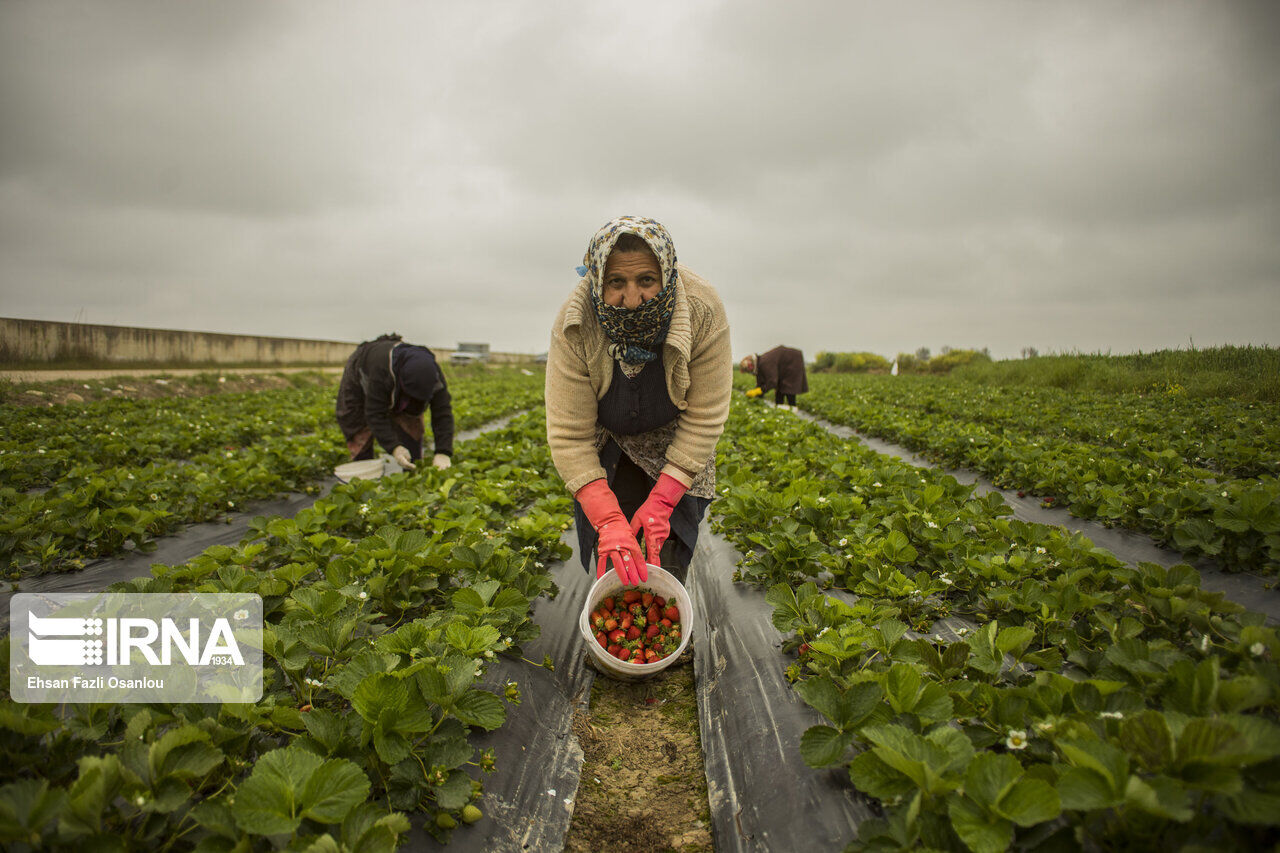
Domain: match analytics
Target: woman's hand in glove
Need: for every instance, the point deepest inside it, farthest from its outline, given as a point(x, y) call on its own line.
point(654, 515)
point(441, 461)
point(617, 542)
point(401, 455)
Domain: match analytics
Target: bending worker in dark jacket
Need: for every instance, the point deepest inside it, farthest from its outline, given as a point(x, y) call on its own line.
point(780, 370)
point(386, 386)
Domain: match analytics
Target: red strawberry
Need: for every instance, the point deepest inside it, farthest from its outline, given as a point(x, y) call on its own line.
point(665, 623)
point(660, 601)
point(597, 619)
point(617, 635)
point(631, 596)
point(652, 631)
point(610, 624)
point(626, 621)
point(614, 649)
point(672, 613)
point(653, 614)
point(624, 654)
point(633, 633)
point(607, 604)
point(602, 640)
point(646, 599)
point(804, 649)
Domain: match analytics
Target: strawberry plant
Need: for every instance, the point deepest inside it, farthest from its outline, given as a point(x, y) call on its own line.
point(997, 684)
point(383, 608)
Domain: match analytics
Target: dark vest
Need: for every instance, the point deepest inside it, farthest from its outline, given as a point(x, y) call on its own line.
point(636, 405)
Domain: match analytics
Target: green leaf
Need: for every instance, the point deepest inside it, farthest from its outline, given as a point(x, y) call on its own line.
point(26, 807)
point(480, 708)
point(184, 753)
point(1253, 807)
point(392, 747)
point(1209, 741)
point(1100, 757)
point(1014, 639)
point(1148, 738)
point(334, 789)
point(328, 729)
point(1160, 796)
point(1030, 802)
point(455, 792)
point(901, 686)
point(980, 832)
point(1082, 789)
point(467, 600)
point(267, 803)
point(989, 776)
point(823, 746)
point(378, 693)
point(872, 776)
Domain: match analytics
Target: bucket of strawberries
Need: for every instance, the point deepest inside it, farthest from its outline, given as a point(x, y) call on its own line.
point(634, 632)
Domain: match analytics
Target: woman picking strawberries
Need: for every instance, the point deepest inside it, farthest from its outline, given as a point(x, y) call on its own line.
point(639, 376)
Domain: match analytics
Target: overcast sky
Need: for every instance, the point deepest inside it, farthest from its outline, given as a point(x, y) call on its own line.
point(850, 176)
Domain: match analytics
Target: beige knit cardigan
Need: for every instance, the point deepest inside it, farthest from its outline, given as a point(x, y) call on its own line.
point(699, 367)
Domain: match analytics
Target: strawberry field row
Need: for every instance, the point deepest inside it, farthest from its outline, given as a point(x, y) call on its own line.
point(41, 446)
point(96, 509)
point(1115, 463)
point(992, 683)
point(383, 605)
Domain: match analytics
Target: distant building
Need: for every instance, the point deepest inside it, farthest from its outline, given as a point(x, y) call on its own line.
point(470, 354)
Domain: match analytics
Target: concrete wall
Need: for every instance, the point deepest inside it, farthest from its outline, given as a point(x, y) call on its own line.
point(29, 343)
point(39, 341)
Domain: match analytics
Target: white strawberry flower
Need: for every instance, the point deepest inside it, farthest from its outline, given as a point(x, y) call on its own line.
point(362, 595)
point(1040, 550)
point(1017, 739)
point(1257, 650)
point(877, 485)
point(1112, 715)
point(844, 542)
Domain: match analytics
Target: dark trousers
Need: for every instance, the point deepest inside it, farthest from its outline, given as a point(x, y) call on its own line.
point(413, 445)
point(778, 398)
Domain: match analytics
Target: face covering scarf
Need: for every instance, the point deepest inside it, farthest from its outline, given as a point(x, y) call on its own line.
point(634, 334)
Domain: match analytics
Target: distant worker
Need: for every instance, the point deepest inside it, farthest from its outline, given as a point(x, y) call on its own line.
point(780, 370)
point(385, 388)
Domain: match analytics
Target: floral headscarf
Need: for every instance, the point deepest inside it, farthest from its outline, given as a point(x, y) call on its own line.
point(634, 334)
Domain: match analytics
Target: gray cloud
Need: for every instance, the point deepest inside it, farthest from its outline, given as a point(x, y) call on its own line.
point(1095, 175)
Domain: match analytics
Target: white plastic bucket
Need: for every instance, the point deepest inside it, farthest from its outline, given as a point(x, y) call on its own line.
point(366, 469)
point(662, 583)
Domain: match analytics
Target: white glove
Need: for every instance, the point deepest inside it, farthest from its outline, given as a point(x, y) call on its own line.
point(401, 455)
point(441, 461)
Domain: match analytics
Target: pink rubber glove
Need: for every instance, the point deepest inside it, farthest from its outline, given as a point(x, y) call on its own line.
point(617, 543)
point(654, 515)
